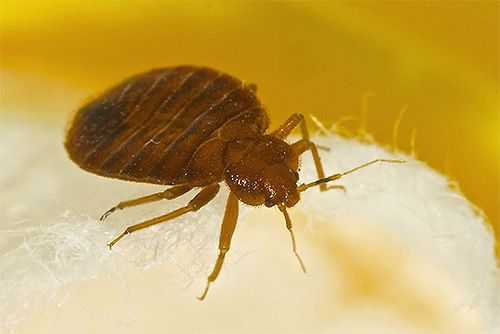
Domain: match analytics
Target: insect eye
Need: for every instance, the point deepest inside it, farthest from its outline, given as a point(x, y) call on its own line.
point(269, 203)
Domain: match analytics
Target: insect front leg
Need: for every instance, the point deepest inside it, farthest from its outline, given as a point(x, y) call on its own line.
point(302, 145)
point(202, 198)
point(226, 234)
point(170, 193)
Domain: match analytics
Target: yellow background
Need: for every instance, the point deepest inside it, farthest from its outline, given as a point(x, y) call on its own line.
point(439, 59)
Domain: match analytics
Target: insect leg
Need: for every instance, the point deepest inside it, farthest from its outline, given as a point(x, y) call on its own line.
point(226, 234)
point(286, 128)
point(170, 193)
point(202, 198)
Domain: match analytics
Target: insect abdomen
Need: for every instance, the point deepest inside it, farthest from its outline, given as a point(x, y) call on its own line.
point(147, 128)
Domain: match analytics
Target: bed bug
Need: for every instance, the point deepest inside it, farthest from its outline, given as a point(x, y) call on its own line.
point(194, 127)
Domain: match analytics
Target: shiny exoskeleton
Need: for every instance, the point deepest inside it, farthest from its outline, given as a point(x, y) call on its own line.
point(193, 127)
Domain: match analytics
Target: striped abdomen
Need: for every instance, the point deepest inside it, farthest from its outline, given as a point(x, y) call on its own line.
point(148, 128)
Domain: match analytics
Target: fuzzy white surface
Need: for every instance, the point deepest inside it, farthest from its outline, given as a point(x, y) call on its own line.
point(397, 241)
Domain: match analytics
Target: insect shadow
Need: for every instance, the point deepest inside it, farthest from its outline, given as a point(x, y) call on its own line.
point(194, 127)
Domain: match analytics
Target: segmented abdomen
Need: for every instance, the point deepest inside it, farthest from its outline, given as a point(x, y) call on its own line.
point(147, 128)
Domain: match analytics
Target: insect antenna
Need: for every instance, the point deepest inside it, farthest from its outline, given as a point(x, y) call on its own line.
point(337, 176)
point(289, 227)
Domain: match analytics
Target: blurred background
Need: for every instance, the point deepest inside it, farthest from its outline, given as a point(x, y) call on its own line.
point(437, 60)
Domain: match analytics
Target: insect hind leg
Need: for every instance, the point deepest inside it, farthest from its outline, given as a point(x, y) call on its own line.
point(202, 198)
point(170, 193)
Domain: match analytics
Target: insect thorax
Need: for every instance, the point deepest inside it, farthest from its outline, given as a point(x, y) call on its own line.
point(262, 170)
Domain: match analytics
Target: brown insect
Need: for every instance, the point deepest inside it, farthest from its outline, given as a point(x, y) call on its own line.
point(193, 127)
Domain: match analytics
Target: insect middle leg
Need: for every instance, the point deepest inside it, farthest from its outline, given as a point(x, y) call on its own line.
point(170, 193)
point(302, 145)
point(202, 198)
